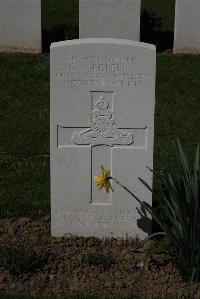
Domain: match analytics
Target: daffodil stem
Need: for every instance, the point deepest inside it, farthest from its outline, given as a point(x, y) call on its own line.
point(121, 185)
point(140, 202)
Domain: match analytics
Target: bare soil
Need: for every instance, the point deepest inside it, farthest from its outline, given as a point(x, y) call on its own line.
point(70, 265)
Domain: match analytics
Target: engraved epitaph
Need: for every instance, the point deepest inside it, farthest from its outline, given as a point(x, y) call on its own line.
point(102, 113)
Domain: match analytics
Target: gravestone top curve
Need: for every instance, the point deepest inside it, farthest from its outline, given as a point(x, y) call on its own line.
point(103, 41)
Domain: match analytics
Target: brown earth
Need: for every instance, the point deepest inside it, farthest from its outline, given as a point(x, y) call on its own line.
point(68, 266)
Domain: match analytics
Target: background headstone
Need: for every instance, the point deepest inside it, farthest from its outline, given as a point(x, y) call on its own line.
point(187, 26)
point(20, 26)
point(109, 18)
point(102, 113)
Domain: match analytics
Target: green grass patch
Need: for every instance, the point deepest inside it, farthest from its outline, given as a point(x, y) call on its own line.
point(97, 259)
point(24, 124)
point(157, 23)
point(162, 10)
point(24, 186)
point(60, 21)
point(19, 258)
point(24, 105)
point(60, 12)
point(177, 112)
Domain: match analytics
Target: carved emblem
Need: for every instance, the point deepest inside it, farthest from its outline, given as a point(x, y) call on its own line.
point(103, 129)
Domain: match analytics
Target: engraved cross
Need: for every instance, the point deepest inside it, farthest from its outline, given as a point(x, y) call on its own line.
point(101, 136)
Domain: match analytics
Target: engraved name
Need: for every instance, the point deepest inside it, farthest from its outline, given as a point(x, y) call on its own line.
point(91, 71)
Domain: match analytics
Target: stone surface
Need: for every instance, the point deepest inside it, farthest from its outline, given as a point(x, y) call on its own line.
point(187, 26)
point(109, 18)
point(102, 113)
point(20, 26)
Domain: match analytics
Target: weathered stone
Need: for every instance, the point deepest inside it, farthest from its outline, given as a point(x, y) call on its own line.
point(102, 113)
point(187, 26)
point(109, 18)
point(20, 26)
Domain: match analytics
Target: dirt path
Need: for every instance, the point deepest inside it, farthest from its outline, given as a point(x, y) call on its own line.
point(71, 264)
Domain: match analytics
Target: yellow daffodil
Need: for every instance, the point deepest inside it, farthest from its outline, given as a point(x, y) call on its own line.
point(103, 180)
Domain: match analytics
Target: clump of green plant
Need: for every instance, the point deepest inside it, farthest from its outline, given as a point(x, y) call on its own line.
point(100, 259)
point(179, 210)
point(19, 259)
point(92, 241)
point(162, 248)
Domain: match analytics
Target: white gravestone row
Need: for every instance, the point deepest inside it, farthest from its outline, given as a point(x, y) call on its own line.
point(20, 23)
point(187, 26)
point(109, 18)
point(121, 19)
point(20, 26)
point(102, 113)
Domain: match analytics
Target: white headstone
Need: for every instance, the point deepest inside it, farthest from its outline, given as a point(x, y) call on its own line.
point(102, 113)
point(187, 26)
point(20, 26)
point(109, 18)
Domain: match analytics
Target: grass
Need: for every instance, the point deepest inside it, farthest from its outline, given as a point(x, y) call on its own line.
point(24, 133)
point(24, 186)
point(24, 124)
point(55, 13)
point(162, 9)
point(20, 258)
point(177, 106)
point(59, 21)
point(24, 104)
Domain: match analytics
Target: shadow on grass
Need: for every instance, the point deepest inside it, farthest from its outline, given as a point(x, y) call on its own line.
point(55, 34)
point(59, 21)
point(151, 32)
